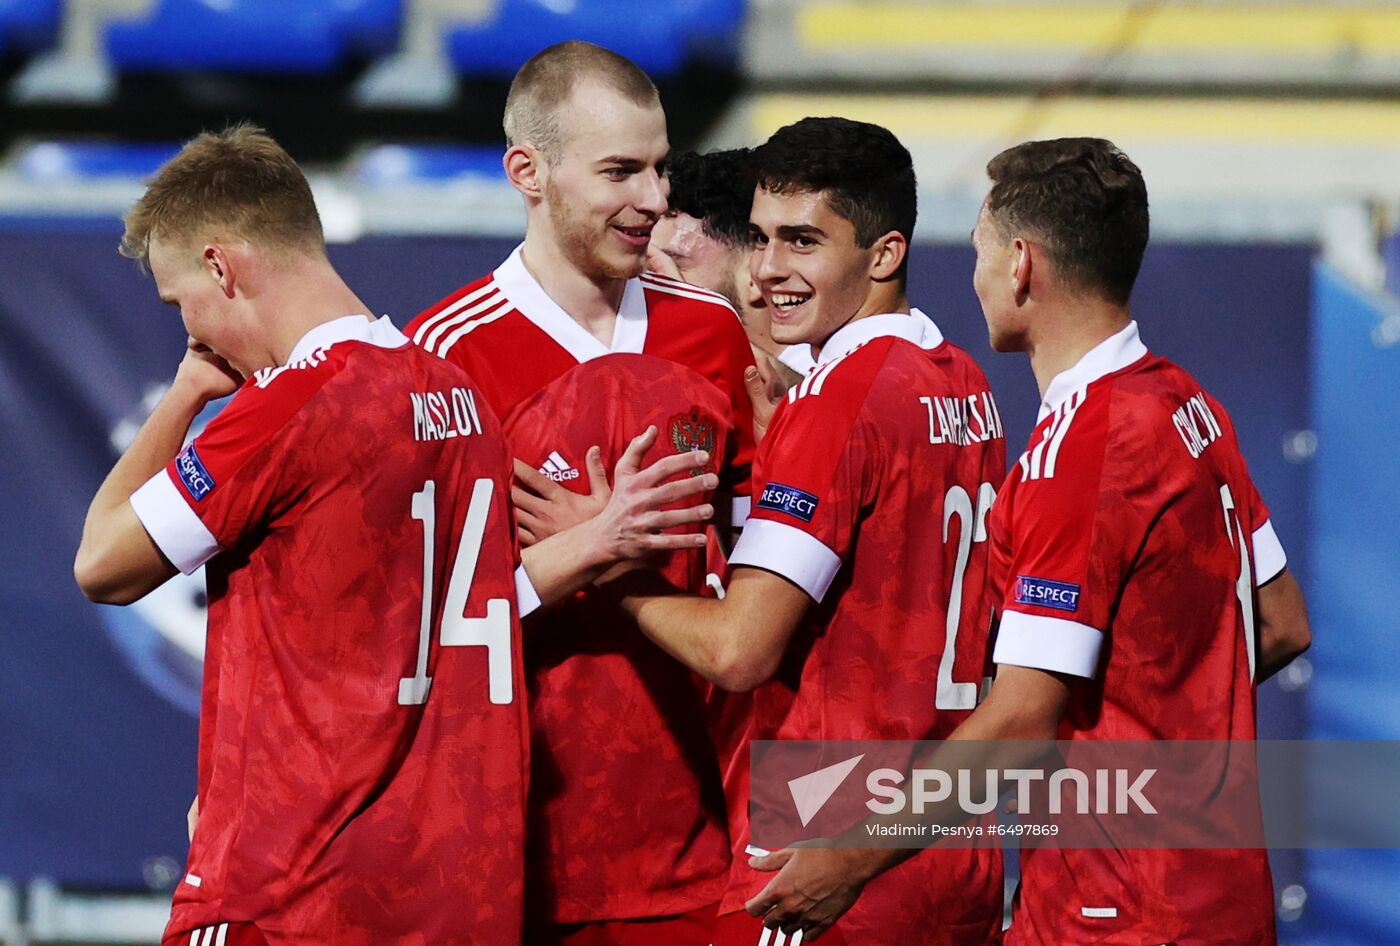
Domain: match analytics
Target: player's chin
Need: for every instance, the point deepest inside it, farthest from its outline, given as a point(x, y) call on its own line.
point(626, 265)
point(790, 333)
point(1005, 342)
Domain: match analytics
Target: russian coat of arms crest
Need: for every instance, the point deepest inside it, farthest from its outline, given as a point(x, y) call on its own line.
point(692, 430)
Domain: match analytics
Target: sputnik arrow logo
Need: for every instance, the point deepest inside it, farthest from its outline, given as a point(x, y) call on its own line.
point(810, 792)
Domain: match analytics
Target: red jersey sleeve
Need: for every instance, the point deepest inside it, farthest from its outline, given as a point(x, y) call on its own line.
point(232, 479)
point(737, 469)
point(1071, 538)
point(815, 471)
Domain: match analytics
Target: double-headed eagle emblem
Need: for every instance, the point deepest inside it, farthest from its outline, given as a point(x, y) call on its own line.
point(694, 431)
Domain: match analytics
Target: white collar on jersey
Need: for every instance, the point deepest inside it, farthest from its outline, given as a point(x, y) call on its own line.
point(912, 327)
point(348, 328)
point(1114, 353)
point(527, 296)
point(798, 358)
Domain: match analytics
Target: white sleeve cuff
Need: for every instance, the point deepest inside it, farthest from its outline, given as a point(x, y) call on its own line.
point(739, 513)
point(179, 534)
point(1269, 559)
point(1054, 644)
point(527, 599)
point(787, 551)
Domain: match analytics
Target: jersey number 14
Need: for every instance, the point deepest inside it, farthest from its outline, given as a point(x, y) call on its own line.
point(491, 631)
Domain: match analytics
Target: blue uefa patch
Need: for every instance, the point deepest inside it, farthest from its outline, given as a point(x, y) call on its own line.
point(795, 502)
point(194, 474)
point(1044, 593)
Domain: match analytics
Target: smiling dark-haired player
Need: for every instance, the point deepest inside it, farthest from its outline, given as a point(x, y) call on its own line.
point(857, 607)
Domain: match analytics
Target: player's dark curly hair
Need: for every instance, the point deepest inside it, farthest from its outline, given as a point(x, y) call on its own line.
point(1084, 201)
point(716, 189)
point(867, 175)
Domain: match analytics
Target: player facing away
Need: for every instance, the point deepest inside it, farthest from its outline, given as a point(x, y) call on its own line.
point(857, 605)
point(1142, 590)
point(703, 239)
point(363, 743)
point(573, 345)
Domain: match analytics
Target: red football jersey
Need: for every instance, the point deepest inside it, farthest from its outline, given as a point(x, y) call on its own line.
point(626, 814)
point(1127, 546)
point(363, 743)
point(876, 477)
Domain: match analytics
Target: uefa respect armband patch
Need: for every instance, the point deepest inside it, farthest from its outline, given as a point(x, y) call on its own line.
point(795, 502)
point(1044, 593)
point(194, 474)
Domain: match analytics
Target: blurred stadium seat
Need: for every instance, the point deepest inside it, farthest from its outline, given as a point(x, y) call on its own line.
point(394, 165)
point(658, 36)
point(27, 25)
point(48, 161)
point(258, 36)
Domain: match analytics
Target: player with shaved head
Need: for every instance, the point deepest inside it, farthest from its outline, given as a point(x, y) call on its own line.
point(575, 345)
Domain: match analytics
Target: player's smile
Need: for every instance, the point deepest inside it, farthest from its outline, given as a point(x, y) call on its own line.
point(784, 305)
point(635, 237)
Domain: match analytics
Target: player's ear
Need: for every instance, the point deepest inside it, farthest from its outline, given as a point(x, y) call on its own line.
point(1023, 263)
point(218, 265)
point(888, 254)
point(525, 170)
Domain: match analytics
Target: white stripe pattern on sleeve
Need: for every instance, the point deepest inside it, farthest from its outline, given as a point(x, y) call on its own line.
point(209, 935)
point(433, 324)
point(1039, 462)
point(685, 290)
point(492, 310)
point(816, 380)
point(438, 335)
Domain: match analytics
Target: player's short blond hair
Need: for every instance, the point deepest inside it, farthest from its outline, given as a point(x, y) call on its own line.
point(545, 83)
point(235, 184)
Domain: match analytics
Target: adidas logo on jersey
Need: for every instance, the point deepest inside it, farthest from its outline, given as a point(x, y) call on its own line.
point(558, 469)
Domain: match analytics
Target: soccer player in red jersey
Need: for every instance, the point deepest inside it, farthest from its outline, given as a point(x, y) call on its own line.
point(573, 345)
point(363, 740)
point(857, 606)
point(1143, 592)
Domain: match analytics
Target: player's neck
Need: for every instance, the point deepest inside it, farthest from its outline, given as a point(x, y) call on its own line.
point(310, 295)
point(1062, 340)
point(592, 303)
point(886, 300)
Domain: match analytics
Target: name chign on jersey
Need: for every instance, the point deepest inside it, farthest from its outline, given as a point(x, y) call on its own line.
point(442, 415)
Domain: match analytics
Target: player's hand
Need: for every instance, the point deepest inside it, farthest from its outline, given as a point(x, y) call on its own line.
point(658, 261)
point(765, 389)
point(631, 524)
point(544, 507)
point(192, 816)
point(205, 374)
point(814, 888)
